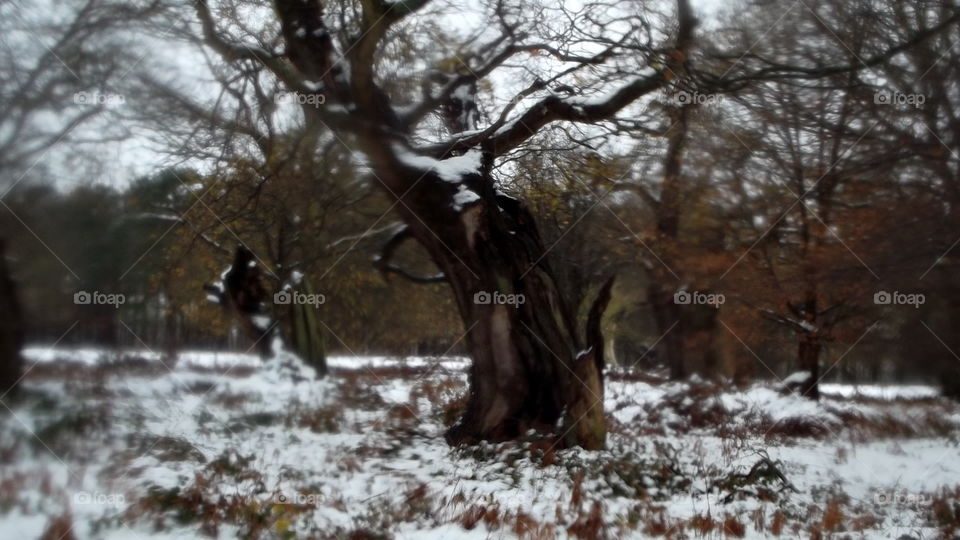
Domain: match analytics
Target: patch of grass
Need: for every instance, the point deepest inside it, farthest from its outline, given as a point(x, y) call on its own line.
point(356, 392)
point(383, 516)
point(168, 448)
point(327, 419)
point(764, 481)
point(252, 421)
point(590, 525)
point(489, 514)
point(945, 511)
point(234, 465)
point(59, 528)
point(192, 506)
point(733, 527)
point(200, 503)
point(66, 434)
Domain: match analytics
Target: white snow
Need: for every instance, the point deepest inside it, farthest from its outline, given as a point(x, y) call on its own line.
point(463, 197)
point(363, 448)
point(880, 391)
point(451, 169)
point(262, 322)
point(808, 326)
point(799, 377)
point(197, 359)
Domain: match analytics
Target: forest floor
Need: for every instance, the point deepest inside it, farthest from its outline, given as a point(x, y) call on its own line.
point(129, 446)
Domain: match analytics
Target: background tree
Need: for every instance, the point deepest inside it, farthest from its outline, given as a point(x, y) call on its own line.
point(918, 120)
point(49, 93)
point(11, 330)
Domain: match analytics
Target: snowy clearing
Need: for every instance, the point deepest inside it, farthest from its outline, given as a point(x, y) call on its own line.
point(115, 445)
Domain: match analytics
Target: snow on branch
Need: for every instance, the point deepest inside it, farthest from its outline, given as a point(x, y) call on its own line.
point(295, 74)
point(450, 170)
point(506, 135)
point(797, 324)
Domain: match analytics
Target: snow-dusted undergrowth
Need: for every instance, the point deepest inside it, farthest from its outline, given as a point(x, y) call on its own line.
point(220, 444)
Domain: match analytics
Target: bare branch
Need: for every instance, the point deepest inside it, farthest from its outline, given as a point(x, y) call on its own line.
point(382, 261)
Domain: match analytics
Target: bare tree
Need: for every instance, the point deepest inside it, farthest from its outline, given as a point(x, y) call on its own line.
point(811, 266)
point(531, 366)
point(52, 90)
point(49, 92)
point(917, 112)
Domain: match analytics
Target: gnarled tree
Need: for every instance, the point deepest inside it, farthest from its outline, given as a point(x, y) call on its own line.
point(532, 368)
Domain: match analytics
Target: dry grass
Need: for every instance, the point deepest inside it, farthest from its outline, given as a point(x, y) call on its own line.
point(648, 479)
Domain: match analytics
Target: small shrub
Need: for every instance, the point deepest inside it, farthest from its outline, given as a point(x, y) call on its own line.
point(322, 420)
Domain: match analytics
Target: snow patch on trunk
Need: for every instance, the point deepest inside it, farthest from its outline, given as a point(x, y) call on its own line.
point(797, 378)
point(450, 170)
point(464, 197)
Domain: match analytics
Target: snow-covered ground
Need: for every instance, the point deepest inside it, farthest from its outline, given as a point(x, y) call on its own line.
point(137, 445)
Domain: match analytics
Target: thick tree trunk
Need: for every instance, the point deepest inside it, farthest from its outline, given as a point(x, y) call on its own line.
point(699, 329)
point(11, 330)
point(950, 381)
point(530, 368)
point(666, 314)
point(809, 341)
point(686, 334)
point(948, 370)
point(808, 357)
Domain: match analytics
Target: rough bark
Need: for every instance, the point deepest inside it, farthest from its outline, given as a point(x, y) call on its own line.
point(699, 329)
point(11, 330)
point(530, 368)
point(527, 368)
point(304, 332)
point(666, 315)
point(584, 423)
point(808, 358)
point(948, 370)
point(686, 334)
point(808, 347)
point(950, 381)
point(666, 312)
